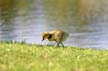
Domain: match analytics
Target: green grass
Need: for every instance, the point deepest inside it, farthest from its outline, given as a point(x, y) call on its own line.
point(27, 57)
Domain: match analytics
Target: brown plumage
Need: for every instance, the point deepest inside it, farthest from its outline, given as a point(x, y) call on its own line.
point(57, 35)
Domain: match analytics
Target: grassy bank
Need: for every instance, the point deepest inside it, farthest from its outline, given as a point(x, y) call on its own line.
point(26, 57)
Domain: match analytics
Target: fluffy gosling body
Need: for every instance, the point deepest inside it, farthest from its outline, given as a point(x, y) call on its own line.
point(57, 35)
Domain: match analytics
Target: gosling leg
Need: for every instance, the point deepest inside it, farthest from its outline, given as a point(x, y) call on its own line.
point(57, 45)
point(62, 45)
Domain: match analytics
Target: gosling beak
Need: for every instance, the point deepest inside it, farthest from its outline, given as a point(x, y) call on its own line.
point(42, 39)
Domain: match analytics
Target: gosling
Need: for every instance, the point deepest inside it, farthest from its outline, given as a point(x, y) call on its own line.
point(57, 35)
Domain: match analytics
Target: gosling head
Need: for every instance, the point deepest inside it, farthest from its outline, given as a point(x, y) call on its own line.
point(45, 35)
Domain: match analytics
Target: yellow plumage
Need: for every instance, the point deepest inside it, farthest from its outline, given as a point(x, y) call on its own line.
point(57, 35)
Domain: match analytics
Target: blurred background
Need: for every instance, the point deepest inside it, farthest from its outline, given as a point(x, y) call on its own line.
point(85, 20)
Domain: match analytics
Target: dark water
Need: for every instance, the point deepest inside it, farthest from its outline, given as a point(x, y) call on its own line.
point(25, 20)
